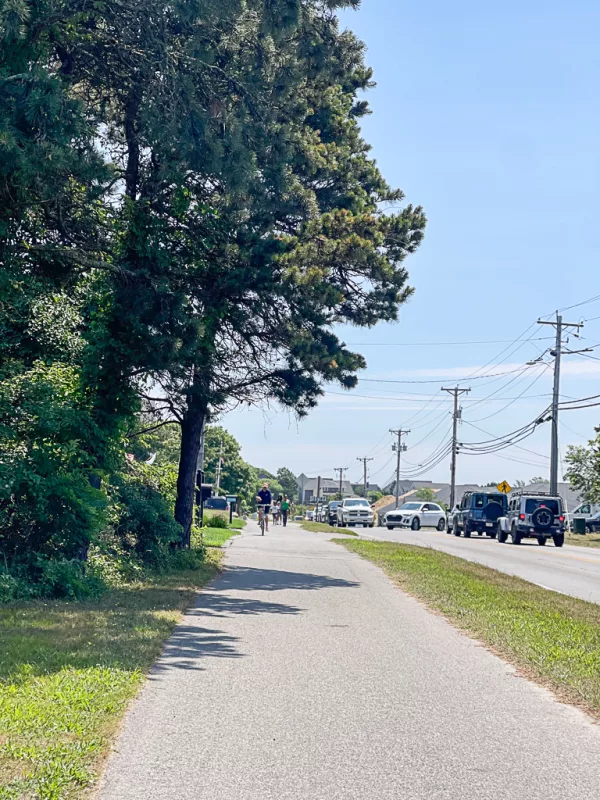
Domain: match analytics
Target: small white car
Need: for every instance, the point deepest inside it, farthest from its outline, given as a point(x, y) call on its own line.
point(417, 515)
point(355, 511)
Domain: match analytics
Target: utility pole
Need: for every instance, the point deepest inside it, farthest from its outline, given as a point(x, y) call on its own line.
point(365, 460)
point(341, 470)
point(319, 487)
point(557, 352)
point(399, 448)
point(219, 466)
point(456, 392)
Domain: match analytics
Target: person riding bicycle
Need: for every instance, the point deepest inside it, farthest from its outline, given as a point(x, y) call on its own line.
point(264, 499)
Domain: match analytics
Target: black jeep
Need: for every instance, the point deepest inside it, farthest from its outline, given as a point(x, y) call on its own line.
point(479, 513)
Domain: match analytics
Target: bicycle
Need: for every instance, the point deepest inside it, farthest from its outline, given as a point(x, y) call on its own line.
point(262, 517)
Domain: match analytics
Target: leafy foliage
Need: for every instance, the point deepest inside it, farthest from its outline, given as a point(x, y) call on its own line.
point(288, 483)
point(584, 469)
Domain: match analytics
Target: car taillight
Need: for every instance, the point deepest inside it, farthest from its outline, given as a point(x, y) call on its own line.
point(521, 516)
point(562, 518)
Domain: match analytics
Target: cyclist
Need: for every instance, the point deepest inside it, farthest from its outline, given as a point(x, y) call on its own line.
point(264, 499)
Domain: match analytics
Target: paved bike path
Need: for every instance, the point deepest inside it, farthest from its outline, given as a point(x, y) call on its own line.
point(303, 673)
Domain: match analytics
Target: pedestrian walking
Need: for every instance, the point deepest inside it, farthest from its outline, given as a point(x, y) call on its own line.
point(285, 507)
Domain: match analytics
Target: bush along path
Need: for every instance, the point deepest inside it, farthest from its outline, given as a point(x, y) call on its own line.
point(551, 637)
point(69, 669)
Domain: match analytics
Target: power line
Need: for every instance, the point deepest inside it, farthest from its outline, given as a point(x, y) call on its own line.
point(439, 344)
point(532, 452)
point(583, 303)
point(458, 380)
point(513, 400)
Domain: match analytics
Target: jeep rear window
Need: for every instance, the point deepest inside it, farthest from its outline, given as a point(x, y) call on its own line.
point(531, 505)
point(495, 498)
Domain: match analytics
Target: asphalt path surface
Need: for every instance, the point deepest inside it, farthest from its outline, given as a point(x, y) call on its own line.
point(303, 673)
point(570, 569)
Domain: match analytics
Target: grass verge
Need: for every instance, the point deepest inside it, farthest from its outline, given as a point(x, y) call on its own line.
point(589, 540)
point(238, 523)
point(552, 638)
point(216, 537)
point(68, 672)
point(320, 527)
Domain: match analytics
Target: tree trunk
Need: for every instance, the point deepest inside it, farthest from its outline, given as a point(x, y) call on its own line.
point(191, 434)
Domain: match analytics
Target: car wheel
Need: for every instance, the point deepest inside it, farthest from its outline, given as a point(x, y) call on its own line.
point(492, 534)
point(558, 540)
point(415, 524)
point(515, 536)
point(502, 536)
point(467, 530)
point(479, 533)
point(390, 527)
point(455, 528)
point(541, 540)
point(441, 525)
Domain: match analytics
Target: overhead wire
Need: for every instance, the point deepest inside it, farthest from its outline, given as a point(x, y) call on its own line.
point(513, 400)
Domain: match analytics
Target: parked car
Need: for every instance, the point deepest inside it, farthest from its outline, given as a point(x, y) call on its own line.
point(534, 515)
point(592, 524)
point(586, 510)
point(331, 514)
point(450, 517)
point(479, 512)
point(310, 514)
point(355, 511)
point(416, 515)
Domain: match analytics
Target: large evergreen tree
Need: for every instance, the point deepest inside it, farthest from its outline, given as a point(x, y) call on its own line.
point(240, 217)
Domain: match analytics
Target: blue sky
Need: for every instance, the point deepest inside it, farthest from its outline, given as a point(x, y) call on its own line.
point(488, 116)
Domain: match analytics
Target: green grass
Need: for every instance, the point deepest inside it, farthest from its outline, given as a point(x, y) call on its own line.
point(68, 672)
point(589, 540)
point(320, 527)
point(238, 523)
point(216, 537)
point(551, 637)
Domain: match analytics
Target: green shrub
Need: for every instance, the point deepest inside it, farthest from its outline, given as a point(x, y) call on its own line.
point(216, 522)
point(11, 588)
point(71, 580)
point(47, 504)
point(142, 517)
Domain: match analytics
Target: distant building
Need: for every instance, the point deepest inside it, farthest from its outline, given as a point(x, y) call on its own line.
point(329, 488)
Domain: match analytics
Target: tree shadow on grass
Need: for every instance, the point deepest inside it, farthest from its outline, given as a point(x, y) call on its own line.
point(125, 629)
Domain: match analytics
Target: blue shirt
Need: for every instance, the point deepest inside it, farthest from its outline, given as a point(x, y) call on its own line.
point(265, 497)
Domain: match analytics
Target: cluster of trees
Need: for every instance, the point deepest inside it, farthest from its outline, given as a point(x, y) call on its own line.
point(583, 471)
point(187, 208)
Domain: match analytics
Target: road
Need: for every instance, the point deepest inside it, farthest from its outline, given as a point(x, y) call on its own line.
point(303, 673)
point(570, 569)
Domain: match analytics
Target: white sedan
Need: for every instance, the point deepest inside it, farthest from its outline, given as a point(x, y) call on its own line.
point(417, 515)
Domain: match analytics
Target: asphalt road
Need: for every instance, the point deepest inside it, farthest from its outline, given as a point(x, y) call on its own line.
point(569, 569)
point(303, 673)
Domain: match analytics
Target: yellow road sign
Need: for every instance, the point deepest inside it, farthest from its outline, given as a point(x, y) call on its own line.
point(504, 487)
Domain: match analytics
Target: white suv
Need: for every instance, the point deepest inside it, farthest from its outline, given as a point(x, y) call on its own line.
point(355, 511)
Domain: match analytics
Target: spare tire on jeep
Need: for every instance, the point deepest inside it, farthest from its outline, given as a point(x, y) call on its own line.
point(542, 518)
point(493, 511)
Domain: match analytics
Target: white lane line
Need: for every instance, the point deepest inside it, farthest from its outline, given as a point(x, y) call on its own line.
point(550, 589)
